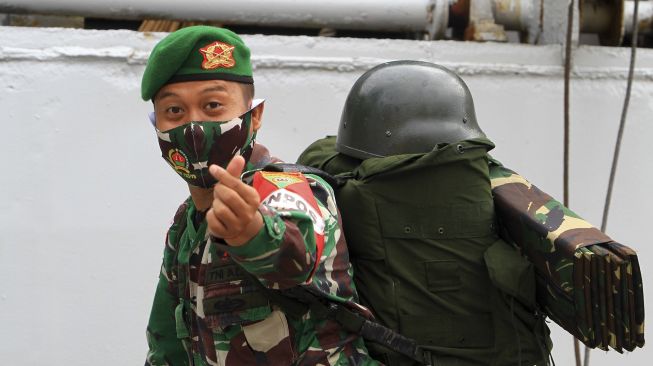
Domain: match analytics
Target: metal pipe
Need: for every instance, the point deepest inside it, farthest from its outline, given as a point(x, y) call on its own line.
point(519, 15)
point(644, 16)
point(605, 18)
point(596, 17)
point(515, 14)
point(386, 15)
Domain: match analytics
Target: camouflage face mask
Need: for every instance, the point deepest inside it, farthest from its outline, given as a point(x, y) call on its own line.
point(191, 148)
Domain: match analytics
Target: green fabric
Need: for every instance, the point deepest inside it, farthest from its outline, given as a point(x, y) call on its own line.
point(187, 54)
point(584, 281)
point(164, 346)
point(427, 258)
point(510, 273)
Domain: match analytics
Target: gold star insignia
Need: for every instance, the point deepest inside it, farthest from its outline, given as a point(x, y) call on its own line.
point(216, 55)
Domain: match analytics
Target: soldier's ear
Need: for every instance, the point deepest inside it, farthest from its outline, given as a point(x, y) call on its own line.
point(257, 116)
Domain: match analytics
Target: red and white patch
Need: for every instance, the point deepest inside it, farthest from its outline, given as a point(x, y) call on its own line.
point(285, 200)
point(289, 191)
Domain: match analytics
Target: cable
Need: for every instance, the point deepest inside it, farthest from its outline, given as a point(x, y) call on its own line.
point(622, 125)
point(565, 174)
point(565, 177)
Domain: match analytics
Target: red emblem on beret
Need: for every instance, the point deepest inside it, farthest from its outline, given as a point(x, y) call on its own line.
point(218, 54)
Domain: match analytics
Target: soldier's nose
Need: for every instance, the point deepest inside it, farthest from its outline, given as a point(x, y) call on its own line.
point(195, 115)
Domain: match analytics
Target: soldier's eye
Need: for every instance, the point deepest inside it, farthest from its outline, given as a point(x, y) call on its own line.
point(212, 105)
point(174, 110)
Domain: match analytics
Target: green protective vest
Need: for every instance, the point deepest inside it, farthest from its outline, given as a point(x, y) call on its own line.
point(427, 258)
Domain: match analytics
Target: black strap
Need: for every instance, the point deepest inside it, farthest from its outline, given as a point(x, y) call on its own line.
point(296, 301)
point(354, 322)
point(387, 337)
point(290, 306)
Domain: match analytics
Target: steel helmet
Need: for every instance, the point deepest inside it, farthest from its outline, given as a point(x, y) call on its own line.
point(403, 107)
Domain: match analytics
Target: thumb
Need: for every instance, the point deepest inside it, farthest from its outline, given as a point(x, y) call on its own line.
point(236, 166)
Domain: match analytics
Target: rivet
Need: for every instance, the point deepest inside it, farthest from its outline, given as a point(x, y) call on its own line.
point(388, 133)
point(464, 119)
point(407, 229)
point(344, 124)
point(441, 230)
point(460, 148)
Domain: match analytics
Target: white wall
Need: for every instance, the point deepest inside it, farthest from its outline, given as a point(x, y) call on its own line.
point(85, 198)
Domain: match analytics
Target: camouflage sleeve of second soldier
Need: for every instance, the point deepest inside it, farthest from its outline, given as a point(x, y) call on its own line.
point(164, 346)
point(284, 253)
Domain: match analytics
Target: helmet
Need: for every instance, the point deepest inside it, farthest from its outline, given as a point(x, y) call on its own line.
point(404, 107)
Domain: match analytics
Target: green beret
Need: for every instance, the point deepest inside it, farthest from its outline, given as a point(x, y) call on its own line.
point(196, 53)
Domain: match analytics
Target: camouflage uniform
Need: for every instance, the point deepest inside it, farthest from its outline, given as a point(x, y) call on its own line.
point(207, 310)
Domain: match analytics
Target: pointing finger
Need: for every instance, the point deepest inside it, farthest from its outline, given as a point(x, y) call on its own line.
point(249, 194)
point(236, 166)
point(223, 176)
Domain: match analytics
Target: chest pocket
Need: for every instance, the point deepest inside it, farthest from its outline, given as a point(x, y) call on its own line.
point(229, 297)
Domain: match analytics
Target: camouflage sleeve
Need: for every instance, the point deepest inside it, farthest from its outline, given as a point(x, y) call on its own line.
point(334, 274)
point(285, 252)
point(164, 346)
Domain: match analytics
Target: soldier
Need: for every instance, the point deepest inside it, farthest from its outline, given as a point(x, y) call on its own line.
point(419, 218)
point(235, 251)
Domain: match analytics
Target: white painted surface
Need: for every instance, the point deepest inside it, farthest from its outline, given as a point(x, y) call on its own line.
point(85, 198)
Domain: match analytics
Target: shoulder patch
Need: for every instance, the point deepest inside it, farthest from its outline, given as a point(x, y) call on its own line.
point(289, 191)
point(284, 200)
point(283, 179)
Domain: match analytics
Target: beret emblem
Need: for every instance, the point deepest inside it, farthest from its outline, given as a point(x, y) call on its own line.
point(216, 55)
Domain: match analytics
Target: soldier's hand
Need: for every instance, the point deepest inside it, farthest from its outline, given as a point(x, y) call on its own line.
point(234, 214)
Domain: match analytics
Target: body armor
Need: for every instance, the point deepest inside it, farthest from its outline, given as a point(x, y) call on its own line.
point(422, 235)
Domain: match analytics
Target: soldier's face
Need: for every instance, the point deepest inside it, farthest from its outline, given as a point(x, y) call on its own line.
point(211, 100)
